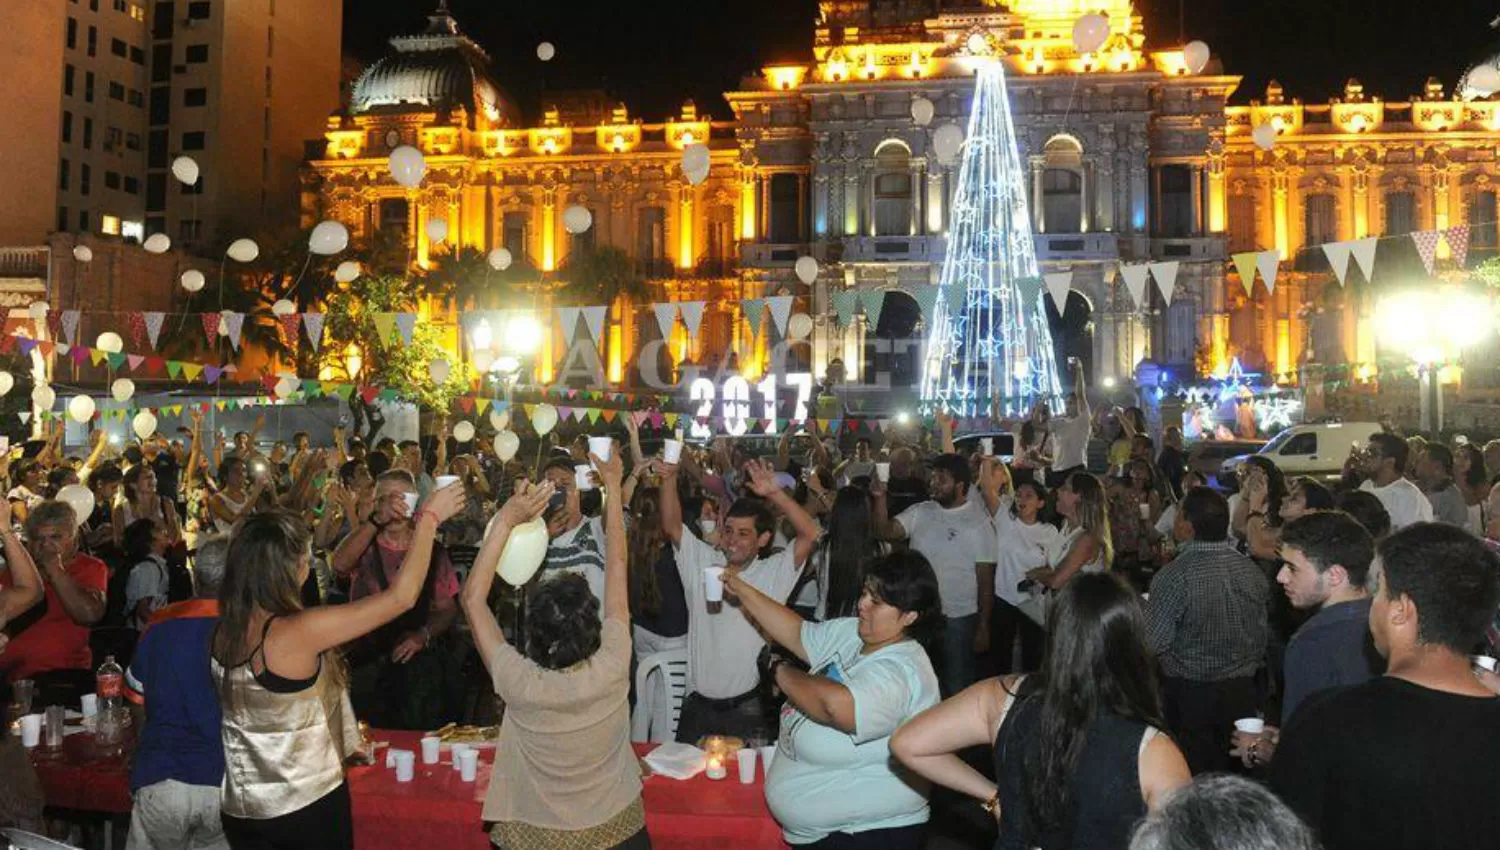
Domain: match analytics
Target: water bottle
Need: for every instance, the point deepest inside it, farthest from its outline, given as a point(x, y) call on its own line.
point(109, 686)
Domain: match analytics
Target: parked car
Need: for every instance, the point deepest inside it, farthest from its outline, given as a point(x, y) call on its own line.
point(1318, 450)
point(1205, 457)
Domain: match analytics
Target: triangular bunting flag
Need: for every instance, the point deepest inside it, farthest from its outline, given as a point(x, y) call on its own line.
point(926, 297)
point(482, 404)
point(211, 328)
point(1269, 262)
point(211, 374)
point(192, 370)
point(874, 302)
point(1427, 245)
point(406, 323)
point(290, 333)
point(174, 369)
point(1338, 259)
point(154, 321)
point(754, 310)
point(1165, 275)
point(313, 324)
point(1458, 243)
point(1058, 286)
point(568, 318)
point(70, 324)
point(116, 359)
point(845, 303)
point(1244, 263)
point(666, 318)
point(135, 361)
point(1135, 282)
point(137, 324)
point(24, 417)
point(97, 355)
point(385, 326)
point(234, 325)
point(1364, 255)
point(781, 312)
point(594, 318)
point(692, 317)
point(1031, 290)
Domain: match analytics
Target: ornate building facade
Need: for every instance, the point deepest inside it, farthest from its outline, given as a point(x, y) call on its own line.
point(1133, 159)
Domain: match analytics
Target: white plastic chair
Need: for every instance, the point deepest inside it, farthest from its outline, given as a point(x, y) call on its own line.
point(658, 697)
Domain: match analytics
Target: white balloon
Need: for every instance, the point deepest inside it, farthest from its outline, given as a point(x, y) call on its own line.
point(1483, 80)
point(544, 419)
point(695, 157)
point(696, 177)
point(80, 499)
point(463, 431)
point(947, 141)
point(523, 553)
point(81, 408)
point(193, 280)
point(500, 420)
point(243, 250)
point(1196, 54)
point(545, 51)
point(144, 424)
point(122, 389)
point(807, 270)
point(43, 396)
point(111, 342)
point(439, 370)
point(408, 166)
point(1264, 137)
point(7, 383)
point(437, 231)
point(922, 111)
point(284, 307)
point(328, 238)
point(577, 219)
point(506, 445)
point(38, 310)
point(500, 259)
point(158, 243)
point(186, 170)
point(800, 326)
point(347, 271)
point(83, 254)
point(1090, 32)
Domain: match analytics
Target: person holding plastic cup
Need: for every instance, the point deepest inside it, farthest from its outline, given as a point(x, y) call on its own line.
point(20, 583)
point(564, 773)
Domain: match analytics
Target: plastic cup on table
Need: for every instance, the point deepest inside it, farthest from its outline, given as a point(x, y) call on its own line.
point(1250, 725)
point(390, 756)
point(767, 753)
point(432, 745)
point(671, 451)
point(745, 758)
point(55, 727)
point(406, 765)
point(31, 731)
point(444, 481)
point(90, 705)
point(468, 764)
point(458, 750)
point(713, 584)
point(600, 447)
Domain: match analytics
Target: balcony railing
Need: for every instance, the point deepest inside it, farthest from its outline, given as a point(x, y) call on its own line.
point(24, 262)
point(893, 249)
point(1077, 246)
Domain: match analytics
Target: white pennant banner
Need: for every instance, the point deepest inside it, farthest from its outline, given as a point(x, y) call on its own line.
point(568, 317)
point(70, 324)
point(234, 324)
point(594, 318)
point(1135, 282)
point(1058, 286)
point(781, 311)
point(692, 317)
point(1338, 257)
point(313, 324)
point(154, 322)
point(406, 323)
point(1364, 254)
point(666, 318)
point(1269, 262)
point(1166, 279)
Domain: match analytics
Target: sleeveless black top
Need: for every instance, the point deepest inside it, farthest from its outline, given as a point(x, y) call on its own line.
point(1104, 794)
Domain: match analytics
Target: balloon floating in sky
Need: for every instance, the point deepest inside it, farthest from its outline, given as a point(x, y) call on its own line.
point(122, 389)
point(545, 51)
point(243, 251)
point(463, 431)
point(922, 111)
point(500, 259)
point(81, 408)
point(328, 238)
point(186, 170)
point(110, 342)
point(1196, 55)
point(408, 166)
point(947, 142)
point(1090, 32)
point(1264, 137)
point(144, 424)
point(437, 231)
point(193, 280)
point(83, 254)
point(577, 219)
point(158, 243)
point(347, 272)
point(807, 270)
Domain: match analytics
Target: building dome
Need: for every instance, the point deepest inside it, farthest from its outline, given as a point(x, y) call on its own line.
point(438, 70)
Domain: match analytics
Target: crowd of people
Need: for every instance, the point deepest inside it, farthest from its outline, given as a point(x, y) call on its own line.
point(1094, 611)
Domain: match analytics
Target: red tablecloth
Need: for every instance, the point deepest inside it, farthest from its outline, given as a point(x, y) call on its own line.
point(439, 811)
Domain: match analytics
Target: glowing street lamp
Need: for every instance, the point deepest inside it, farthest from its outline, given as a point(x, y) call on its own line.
point(1433, 327)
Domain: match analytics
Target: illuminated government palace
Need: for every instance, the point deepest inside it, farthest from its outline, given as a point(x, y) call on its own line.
point(1132, 159)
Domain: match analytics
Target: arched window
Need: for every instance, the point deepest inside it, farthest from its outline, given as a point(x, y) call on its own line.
point(1062, 186)
point(1400, 213)
point(1320, 224)
point(1484, 233)
point(893, 213)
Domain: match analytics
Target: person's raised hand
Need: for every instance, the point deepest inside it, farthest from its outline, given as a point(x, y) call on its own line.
point(612, 471)
point(6, 513)
point(444, 503)
point(762, 479)
point(528, 503)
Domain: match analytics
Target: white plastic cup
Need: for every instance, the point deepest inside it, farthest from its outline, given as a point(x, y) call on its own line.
point(671, 451)
point(713, 584)
point(1250, 725)
point(90, 705)
point(583, 477)
point(1145, 510)
point(411, 503)
point(1487, 663)
point(767, 753)
point(31, 730)
point(457, 752)
point(987, 445)
point(390, 756)
point(406, 765)
point(468, 765)
point(444, 481)
point(600, 447)
point(431, 746)
point(745, 758)
point(883, 472)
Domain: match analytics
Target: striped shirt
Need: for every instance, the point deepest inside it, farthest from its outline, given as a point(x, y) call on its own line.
point(580, 551)
point(1206, 619)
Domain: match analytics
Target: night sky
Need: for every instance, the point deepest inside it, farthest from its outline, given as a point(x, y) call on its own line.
point(653, 54)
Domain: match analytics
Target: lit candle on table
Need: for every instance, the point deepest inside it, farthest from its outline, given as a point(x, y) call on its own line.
point(716, 767)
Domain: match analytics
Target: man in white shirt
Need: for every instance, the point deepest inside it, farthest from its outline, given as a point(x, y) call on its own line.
point(1070, 434)
point(1384, 463)
point(723, 680)
point(957, 536)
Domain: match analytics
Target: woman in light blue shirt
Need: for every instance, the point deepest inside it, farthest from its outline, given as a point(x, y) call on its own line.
point(833, 782)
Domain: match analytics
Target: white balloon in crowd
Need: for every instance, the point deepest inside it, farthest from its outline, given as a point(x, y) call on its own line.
point(186, 170)
point(243, 250)
point(81, 408)
point(499, 419)
point(437, 231)
point(284, 307)
point(38, 310)
point(545, 51)
point(1264, 137)
point(500, 259)
point(695, 162)
point(328, 238)
point(408, 166)
point(348, 271)
point(923, 111)
point(80, 499)
point(806, 269)
point(144, 424)
point(43, 396)
point(544, 419)
point(111, 342)
point(193, 280)
point(506, 445)
point(947, 141)
point(463, 431)
point(83, 254)
point(1483, 80)
point(7, 383)
point(157, 243)
point(122, 389)
point(800, 326)
point(523, 553)
point(577, 219)
point(1090, 32)
point(1196, 55)
point(439, 370)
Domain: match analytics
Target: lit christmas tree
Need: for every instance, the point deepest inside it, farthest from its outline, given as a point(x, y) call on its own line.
point(989, 338)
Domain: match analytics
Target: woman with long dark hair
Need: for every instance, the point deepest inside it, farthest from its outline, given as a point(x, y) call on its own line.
point(1256, 517)
point(1079, 750)
point(281, 682)
point(658, 604)
point(1469, 475)
point(1084, 546)
point(1024, 543)
point(847, 546)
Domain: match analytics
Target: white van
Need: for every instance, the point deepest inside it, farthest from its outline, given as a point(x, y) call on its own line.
point(1318, 450)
